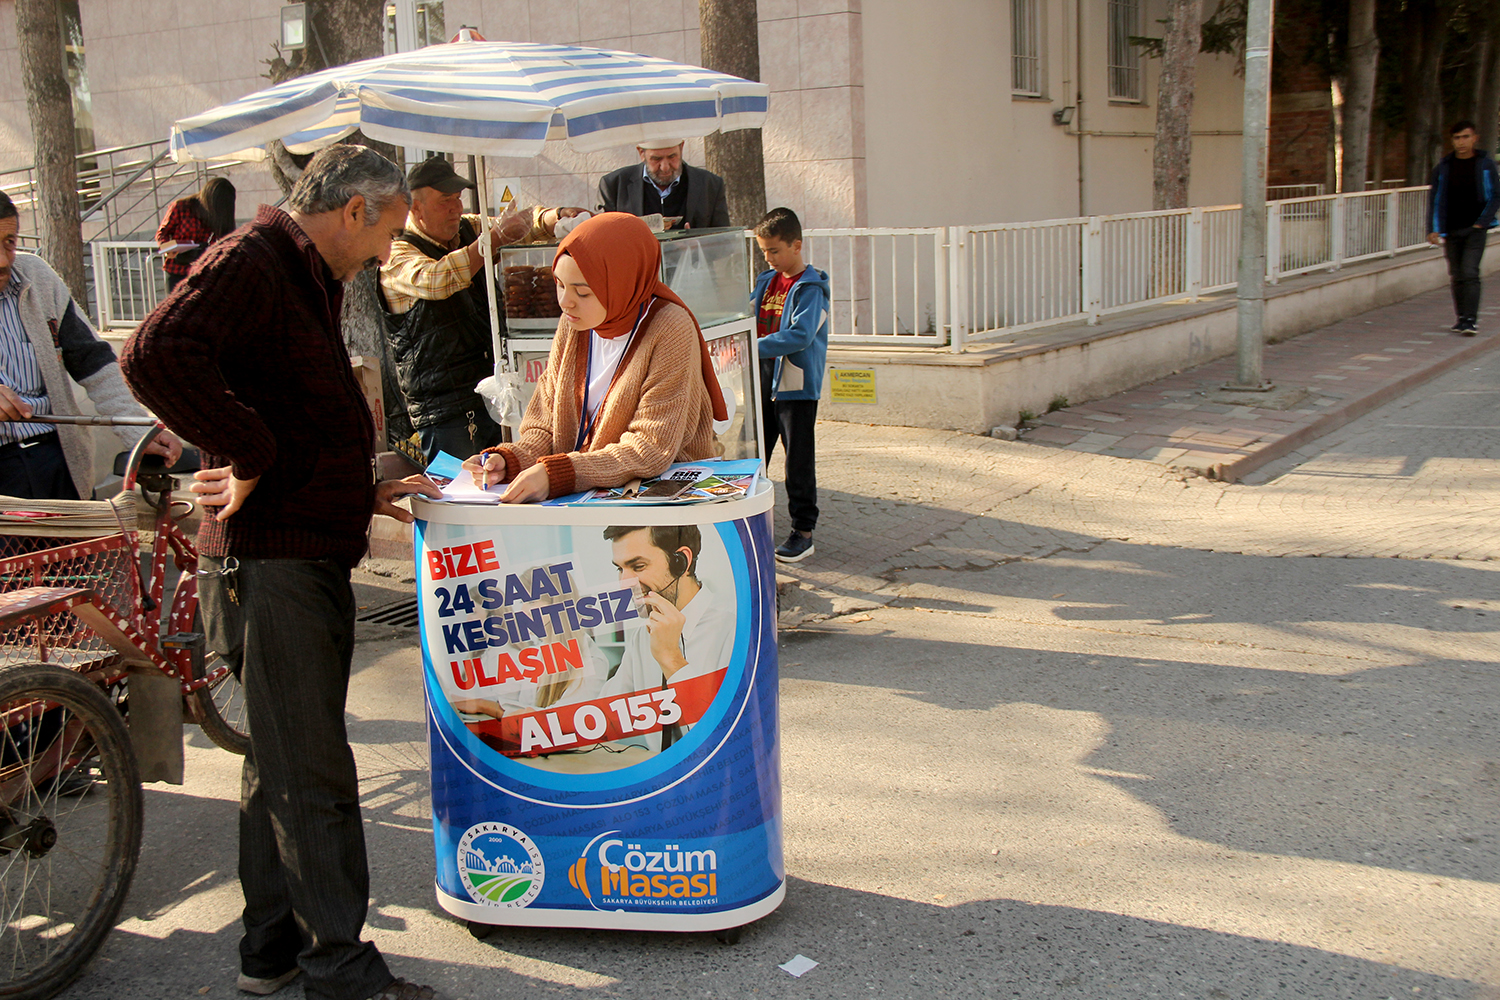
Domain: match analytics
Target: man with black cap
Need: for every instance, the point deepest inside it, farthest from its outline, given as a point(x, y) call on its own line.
point(437, 316)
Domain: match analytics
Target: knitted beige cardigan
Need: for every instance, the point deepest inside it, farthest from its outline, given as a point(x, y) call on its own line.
point(657, 411)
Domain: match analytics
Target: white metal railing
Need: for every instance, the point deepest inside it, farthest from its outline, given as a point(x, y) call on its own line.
point(890, 286)
point(128, 282)
point(1315, 234)
point(935, 286)
point(1275, 192)
point(1220, 249)
point(1016, 276)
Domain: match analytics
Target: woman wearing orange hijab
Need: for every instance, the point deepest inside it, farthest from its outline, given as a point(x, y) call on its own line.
point(629, 387)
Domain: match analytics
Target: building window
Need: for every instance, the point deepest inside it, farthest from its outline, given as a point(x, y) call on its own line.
point(413, 24)
point(1124, 58)
point(1025, 49)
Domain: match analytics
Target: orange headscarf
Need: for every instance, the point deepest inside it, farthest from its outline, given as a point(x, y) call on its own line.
point(621, 260)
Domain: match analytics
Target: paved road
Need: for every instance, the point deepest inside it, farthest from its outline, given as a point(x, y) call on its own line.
point(1055, 724)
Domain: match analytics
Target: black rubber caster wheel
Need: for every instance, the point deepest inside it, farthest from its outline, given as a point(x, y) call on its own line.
point(730, 935)
point(481, 931)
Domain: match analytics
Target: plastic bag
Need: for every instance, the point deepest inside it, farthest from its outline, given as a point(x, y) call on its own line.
point(501, 393)
point(693, 279)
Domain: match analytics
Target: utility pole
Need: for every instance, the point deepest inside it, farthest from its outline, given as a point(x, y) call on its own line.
point(1251, 296)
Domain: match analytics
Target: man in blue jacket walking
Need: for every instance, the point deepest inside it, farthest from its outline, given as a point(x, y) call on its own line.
point(791, 325)
point(1461, 206)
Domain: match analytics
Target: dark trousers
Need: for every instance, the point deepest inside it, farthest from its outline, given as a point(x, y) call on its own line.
point(794, 421)
point(454, 436)
point(36, 469)
point(302, 843)
point(1465, 249)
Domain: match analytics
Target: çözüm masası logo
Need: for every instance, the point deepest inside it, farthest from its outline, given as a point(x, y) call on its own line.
point(499, 865)
point(611, 871)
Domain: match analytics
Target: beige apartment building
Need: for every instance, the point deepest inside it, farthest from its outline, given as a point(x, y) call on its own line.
point(883, 113)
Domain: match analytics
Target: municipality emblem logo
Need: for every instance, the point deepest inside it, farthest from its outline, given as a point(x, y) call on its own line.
point(499, 865)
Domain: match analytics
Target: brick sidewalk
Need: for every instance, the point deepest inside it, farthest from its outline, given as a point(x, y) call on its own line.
point(1350, 368)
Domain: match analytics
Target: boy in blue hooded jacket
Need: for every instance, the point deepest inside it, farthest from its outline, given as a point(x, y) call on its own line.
point(791, 325)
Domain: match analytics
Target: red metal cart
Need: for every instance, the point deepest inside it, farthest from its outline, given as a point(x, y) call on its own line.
point(83, 622)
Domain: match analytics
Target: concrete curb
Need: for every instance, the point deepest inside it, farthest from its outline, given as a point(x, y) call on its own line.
point(1352, 409)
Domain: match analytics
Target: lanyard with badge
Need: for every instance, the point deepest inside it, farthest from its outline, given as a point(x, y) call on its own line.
point(586, 425)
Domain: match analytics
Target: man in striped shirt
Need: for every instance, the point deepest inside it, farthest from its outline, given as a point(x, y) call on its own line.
point(45, 341)
point(437, 316)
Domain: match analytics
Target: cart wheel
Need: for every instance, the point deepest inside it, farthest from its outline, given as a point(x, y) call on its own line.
point(480, 931)
point(729, 935)
point(219, 708)
point(70, 826)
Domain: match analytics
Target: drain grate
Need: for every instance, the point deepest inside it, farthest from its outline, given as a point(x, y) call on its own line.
point(403, 613)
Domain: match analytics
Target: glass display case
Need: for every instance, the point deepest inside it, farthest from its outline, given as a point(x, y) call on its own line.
point(708, 268)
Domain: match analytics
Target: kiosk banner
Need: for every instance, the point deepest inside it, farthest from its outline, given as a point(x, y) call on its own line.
point(602, 715)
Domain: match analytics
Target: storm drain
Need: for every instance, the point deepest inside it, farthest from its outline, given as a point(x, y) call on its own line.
point(402, 613)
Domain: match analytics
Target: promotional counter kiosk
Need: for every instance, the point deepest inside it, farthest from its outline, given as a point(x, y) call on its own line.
point(575, 781)
point(587, 771)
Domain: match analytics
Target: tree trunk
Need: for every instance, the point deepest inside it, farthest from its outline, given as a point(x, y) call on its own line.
point(730, 31)
point(1487, 82)
point(1359, 93)
point(340, 32)
point(49, 101)
point(1171, 164)
point(1427, 32)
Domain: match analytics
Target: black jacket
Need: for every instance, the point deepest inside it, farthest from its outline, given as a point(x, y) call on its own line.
point(442, 347)
point(624, 190)
point(1486, 179)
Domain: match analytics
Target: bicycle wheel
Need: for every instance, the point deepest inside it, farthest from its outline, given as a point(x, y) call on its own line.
point(219, 708)
point(70, 826)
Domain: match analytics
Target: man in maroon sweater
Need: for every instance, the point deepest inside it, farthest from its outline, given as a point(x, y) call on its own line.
point(245, 359)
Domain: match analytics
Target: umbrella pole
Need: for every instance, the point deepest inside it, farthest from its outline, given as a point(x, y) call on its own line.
point(487, 251)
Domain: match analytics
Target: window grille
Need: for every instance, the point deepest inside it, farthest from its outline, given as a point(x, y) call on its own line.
point(1025, 49)
point(1124, 58)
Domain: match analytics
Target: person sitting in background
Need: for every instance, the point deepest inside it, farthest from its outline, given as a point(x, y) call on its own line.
point(201, 219)
point(46, 345)
point(629, 386)
point(437, 314)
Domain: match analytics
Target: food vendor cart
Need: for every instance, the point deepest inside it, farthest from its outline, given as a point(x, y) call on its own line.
point(660, 807)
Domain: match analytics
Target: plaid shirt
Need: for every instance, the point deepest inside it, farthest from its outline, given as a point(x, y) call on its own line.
point(409, 274)
point(182, 225)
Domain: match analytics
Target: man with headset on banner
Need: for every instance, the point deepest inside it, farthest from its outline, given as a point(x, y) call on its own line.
point(689, 628)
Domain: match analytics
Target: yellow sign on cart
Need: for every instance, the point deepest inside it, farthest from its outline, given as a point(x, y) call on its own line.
point(851, 385)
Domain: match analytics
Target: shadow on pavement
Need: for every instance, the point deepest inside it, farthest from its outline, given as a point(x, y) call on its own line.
point(873, 945)
point(1388, 766)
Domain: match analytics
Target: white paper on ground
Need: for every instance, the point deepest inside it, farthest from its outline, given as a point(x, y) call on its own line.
point(798, 965)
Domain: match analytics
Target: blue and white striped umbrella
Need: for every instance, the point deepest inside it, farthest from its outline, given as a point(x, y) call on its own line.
point(481, 98)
